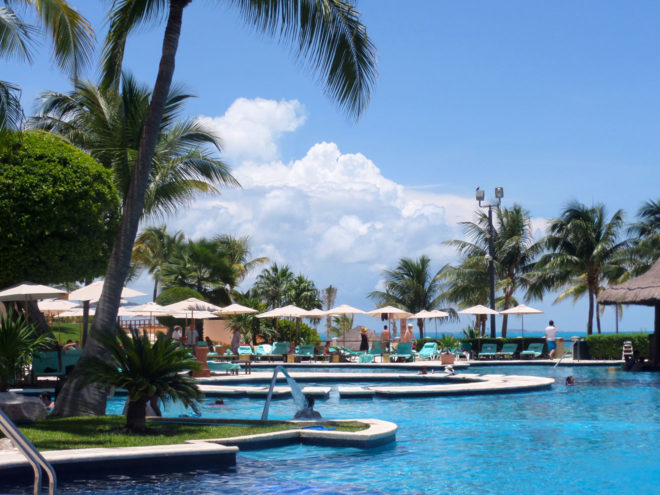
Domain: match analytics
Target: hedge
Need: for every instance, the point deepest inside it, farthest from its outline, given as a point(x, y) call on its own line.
point(610, 346)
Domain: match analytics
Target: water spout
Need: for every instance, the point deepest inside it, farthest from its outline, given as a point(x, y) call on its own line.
point(296, 392)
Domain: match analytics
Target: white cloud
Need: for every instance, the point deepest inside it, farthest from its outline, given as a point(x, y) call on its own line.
point(330, 215)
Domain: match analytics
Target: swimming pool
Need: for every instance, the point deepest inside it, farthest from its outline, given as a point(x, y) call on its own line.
point(600, 436)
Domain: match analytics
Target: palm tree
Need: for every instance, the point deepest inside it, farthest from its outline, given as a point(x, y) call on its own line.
point(145, 370)
point(250, 326)
point(303, 293)
point(72, 38)
point(327, 33)
point(108, 126)
point(152, 250)
point(201, 265)
point(237, 251)
point(272, 285)
point(412, 287)
point(341, 325)
point(514, 248)
point(645, 244)
point(584, 253)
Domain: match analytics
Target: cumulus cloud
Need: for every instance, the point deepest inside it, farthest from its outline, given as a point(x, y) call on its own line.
point(329, 214)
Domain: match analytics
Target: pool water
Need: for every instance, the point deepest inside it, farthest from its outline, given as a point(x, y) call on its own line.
point(600, 436)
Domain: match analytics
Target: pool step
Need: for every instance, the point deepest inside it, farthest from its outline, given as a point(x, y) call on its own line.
point(355, 392)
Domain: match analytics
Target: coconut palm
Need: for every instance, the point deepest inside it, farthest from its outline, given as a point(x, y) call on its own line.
point(341, 325)
point(645, 243)
point(272, 285)
point(72, 38)
point(302, 292)
point(249, 325)
point(237, 251)
point(326, 33)
point(144, 370)
point(584, 253)
point(152, 250)
point(412, 287)
point(18, 343)
point(514, 248)
point(108, 125)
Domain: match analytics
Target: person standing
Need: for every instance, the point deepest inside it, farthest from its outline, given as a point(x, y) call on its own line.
point(236, 341)
point(408, 335)
point(177, 334)
point(550, 337)
point(364, 340)
point(385, 338)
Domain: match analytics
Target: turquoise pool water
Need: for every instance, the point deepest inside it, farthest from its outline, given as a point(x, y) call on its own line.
point(600, 436)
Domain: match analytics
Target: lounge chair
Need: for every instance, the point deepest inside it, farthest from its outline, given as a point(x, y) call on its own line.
point(404, 351)
point(245, 350)
point(232, 368)
point(280, 350)
point(305, 351)
point(429, 351)
point(488, 351)
point(464, 349)
point(349, 354)
point(376, 348)
point(47, 364)
point(508, 350)
point(263, 351)
point(534, 351)
point(366, 358)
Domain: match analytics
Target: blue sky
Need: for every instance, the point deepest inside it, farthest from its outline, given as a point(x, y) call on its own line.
point(554, 101)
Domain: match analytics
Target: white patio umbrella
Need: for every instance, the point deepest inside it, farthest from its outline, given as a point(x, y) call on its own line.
point(56, 306)
point(235, 309)
point(192, 308)
point(289, 311)
point(344, 309)
point(94, 290)
point(29, 291)
point(522, 310)
point(436, 313)
point(479, 309)
point(150, 310)
point(392, 313)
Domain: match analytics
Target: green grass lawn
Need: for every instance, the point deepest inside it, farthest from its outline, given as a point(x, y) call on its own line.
point(67, 331)
point(101, 431)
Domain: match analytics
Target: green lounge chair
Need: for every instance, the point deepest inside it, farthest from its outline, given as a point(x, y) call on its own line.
point(349, 354)
point(47, 364)
point(464, 350)
point(534, 351)
point(488, 351)
point(508, 350)
point(245, 350)
point(232, 368)
point(429, 351)
point(376, 348)
point(263, 351)
point(279, 350)
point(404, 351)
point(70, 358)
point(305, 351)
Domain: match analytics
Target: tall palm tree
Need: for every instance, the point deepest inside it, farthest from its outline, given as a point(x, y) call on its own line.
point(584, 253)
point(412, 287)
point(237, 250)
point(108, 125)
point(645, 243)
point(273, 283)
point(514, 248)
point(72, 38)
point(326, 33)
point(303, 293)
point(152, 250)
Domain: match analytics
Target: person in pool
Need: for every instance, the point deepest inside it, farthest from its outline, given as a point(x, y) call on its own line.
point(308, 412)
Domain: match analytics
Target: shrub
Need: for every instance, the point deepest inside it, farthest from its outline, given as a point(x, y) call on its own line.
point(610, 346)
point(287, 332)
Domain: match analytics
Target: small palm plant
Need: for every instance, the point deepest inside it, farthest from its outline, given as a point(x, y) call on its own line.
point(18, 343)
point(145, 370)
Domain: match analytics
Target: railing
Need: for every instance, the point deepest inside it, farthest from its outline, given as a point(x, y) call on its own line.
point(31, 453)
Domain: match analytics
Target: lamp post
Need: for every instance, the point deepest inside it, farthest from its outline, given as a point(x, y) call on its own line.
point(481, 196)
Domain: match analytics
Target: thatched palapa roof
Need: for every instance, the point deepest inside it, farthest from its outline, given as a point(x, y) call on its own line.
point(643, 290)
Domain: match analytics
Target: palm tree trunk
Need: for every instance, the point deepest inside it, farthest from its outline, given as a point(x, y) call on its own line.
point(73, 400)
point(590, 321)
point(505, 324)
point(155, 289)
point(136, 415)
point(598, 317)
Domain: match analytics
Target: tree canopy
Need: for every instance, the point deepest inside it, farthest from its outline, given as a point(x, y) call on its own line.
point(60, 211)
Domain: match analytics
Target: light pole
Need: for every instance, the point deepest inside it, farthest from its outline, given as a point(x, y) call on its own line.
point(499, 194)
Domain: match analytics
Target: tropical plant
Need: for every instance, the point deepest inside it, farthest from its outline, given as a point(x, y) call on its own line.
point(72, 38)
point(60, 211)
point(448, 341)
point(341, 325)
point(272, 285)
point(412, 287)
point(201, 265)
point(645, 241)
point(152, 250)
point(584, 253)
point(237, 251)
point(328, 33)
point(514, 251)
point(248, 324)
point(302, 292)
point(18, 343)
point(108, 125)
point(328, 297)
point(144, 370)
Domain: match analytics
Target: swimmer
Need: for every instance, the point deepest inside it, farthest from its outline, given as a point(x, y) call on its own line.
point(570, 381)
